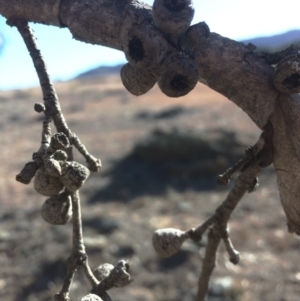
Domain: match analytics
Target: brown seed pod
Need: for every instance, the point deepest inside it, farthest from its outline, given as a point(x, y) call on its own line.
point(52, 166)
point(173, 16)
point(27, 173)
point(91, 297)
point(59, 141)
point(57, 210)
point(168, 241)
point(144, 47)
point(45, 184)
point(73, 175)
point(103, 271)
point(119, 276)
point(286, 77)
point(39, 107)
point(137, 81)
point(179, 76)
point(130, 18)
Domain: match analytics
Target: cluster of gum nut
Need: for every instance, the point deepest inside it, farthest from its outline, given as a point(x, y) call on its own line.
point(56, 177)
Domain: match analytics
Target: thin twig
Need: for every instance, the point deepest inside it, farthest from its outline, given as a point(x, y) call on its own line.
point(53, 112)
point(78, 251)
point(51, 101)
point(77, 223)
point(222, 215)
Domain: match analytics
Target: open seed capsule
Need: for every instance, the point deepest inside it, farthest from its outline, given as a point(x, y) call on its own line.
point(178, 77)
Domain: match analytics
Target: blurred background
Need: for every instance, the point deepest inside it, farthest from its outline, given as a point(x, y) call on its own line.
point(160, 160)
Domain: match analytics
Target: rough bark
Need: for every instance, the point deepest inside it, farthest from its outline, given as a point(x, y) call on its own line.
point(226, 66)
point(45, 12)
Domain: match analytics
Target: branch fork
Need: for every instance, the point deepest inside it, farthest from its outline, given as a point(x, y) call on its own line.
point(168, 241)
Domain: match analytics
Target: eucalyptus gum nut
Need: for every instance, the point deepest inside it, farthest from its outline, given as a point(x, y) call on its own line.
point(144, 47)
point(168, 241)
point(59, 141)
point(91, 297)
point(286, 77)
point(27, 173)
point(173, 17)
point(45, 184)
point(57, 210)
point(137, 81)
point(178, 77)
point(119, 276)
point(60, 155)
point(73, 175)
point(103, 271)
point(39, 107)
point(134, 14)
point(52, 167)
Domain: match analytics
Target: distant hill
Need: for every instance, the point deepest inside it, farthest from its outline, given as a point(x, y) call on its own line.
point(269, 44)
point(100, 71)
point(276, 42)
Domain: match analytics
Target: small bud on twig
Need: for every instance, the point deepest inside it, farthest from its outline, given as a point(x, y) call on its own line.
point(137, 81)
point(234, 255)
point(39, 107)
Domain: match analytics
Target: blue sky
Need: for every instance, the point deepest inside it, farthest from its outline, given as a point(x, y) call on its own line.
point(67, 57)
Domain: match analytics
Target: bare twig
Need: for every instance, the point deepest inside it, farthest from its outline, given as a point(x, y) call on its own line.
point(51, 101)
point(219, 230)
point(78, 255)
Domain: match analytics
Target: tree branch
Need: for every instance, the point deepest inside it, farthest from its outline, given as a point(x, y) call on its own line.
point(224, 65)
point(219, 230)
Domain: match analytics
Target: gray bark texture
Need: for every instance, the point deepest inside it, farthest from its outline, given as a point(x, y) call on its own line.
point(228, 67)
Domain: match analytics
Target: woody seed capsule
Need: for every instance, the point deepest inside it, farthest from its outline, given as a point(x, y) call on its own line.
point(57, 210)
point(45, 184)
point(103, 271)
point(173, 17)
point(74, 175)
point(168, 241)
point(91, 297)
